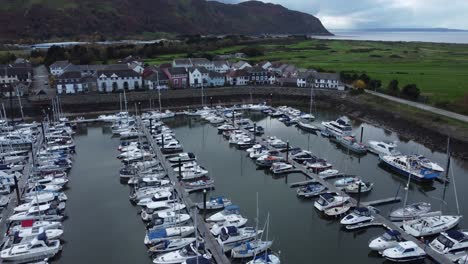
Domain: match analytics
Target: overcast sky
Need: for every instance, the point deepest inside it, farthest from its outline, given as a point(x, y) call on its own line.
point(348, 14)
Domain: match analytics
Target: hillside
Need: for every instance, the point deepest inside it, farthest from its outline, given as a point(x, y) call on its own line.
point(47, 19)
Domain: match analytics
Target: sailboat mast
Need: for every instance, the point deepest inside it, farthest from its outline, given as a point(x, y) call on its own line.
point(20, 105)
point(159, 98)
point(310, 106)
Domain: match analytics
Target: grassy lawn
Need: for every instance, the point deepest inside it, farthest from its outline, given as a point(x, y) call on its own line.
point(439, 70)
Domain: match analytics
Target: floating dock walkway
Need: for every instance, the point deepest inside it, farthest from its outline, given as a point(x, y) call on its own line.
point(378, 219)
point(211, 244)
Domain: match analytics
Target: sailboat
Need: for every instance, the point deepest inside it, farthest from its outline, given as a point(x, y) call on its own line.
point(305, 120)
point(432, 225)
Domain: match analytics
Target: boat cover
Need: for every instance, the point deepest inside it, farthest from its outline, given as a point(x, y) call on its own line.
point(161, 233)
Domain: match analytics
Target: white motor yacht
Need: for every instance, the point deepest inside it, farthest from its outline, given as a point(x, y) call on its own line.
point(230, 220)
point(389, 239)
point(157, 235)
point(328, 200)
point(453, 244)
point(34, 250)
point(382, 148)
point(404, 252)
point(358, 216)
point(231, 236)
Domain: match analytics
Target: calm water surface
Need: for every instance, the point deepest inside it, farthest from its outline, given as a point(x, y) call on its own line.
point(104, 227)
point(460, 37)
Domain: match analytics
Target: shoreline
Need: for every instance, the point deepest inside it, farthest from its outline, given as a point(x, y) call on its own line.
point(411, 124)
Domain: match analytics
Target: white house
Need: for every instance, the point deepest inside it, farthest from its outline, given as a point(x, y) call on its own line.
point(221, 66)
point(216, 79)
point(69, 82)
point(240, 65)
point(117, 78)
point(198, 77)
point(59, 67)
point(271, 78)
point(303, 79)
point(13, 73)
point(238, 78)
point(327, 81)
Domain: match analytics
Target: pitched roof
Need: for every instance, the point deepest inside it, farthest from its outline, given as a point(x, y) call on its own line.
point(182, 62)
point(200, 69)
point(220, 63)
point(60, 64)
point(198, 61)
point(69, 75)
point(238, 73)
point(214, 74)
point(326, 75)
point(120, 70)
point(177, 71)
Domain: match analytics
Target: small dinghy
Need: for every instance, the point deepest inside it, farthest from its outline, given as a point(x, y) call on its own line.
point(215, 203)
point(410, 211)
point(358, 216)
point(310, 190)
point(250, 248)
point(389, 239)
point(404, 252)
point(171, 245)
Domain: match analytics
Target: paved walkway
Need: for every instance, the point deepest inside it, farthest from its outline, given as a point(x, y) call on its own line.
point(425, 107)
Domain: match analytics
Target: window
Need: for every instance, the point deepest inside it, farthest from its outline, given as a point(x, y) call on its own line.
point(125, 85)
point(137, 85)
point(114, 86)
point(103, 86)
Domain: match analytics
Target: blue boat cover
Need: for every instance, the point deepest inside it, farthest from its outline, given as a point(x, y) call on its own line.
point(232, 208)
point(327, 195)
point(161, 233)
point(229, 230)
point(362, 209)
point(393, 232)
point(455, 234)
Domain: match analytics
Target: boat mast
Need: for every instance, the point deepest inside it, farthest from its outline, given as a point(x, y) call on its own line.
point(120, 101)
point(159, 98)
point(20, 105)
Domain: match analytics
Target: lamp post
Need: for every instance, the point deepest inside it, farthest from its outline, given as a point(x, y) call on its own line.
point(271, 99)
point(211, 101)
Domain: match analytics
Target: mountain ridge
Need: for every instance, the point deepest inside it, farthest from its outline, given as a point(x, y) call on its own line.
point(46, 19)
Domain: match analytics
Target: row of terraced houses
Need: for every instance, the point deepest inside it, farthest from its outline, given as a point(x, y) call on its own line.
point(131, 74)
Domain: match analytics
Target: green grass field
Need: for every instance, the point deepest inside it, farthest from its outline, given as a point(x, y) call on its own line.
point(439, 70)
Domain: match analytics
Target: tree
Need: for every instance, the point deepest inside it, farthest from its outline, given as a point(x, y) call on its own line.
point(393, 88)
point(374, 84)
point(360, 84)
point(411, 91)
point(252, 51)
point(365, 78)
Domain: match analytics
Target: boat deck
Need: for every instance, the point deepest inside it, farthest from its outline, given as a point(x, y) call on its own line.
point(8, 210)
point(210, 242)
point(379, 219)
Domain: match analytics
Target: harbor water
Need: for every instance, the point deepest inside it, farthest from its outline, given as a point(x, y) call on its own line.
point(103, 227)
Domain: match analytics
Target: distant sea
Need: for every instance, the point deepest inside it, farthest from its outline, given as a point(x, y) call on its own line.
point(460, 37)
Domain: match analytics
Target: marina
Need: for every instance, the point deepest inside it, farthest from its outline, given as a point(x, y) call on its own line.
point(226, 165)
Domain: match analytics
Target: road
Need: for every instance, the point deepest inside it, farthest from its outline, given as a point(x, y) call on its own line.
point(425, 107)
point(41, 81)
